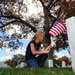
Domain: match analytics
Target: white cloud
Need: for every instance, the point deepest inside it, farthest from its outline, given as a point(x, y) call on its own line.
point(0, 49)
point(17, 28)
point(20, 51)
point(30, 35)
point(62, 53)
point(14, 29)
point(9, 51)
point(4, 58)
point(11, 31)
point(32, 8)
point(58, 55)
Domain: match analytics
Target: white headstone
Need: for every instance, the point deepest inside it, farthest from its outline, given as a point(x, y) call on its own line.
point(22, 65)
point(70, 24)
point(18, 66)
point(50, 63)
point(57, 65)
point(3, 65)
point(63, 64)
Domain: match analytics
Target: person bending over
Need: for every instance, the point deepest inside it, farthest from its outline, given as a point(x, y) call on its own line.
point(33, 49)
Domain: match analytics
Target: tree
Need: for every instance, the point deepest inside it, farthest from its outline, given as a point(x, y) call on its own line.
point(17, 59)
point(11, 63)
point(13, 12)
point(64, 58)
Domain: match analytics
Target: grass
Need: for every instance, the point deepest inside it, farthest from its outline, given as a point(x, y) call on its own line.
point(39, 71)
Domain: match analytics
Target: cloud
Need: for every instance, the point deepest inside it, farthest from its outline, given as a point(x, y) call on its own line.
point(30, 35)
point(20, 51)
point(4, 58)
point(9, 51)
point(17, 29)
point(14, 29)
point(0, 49)
point(58, 55)
point(11, 31)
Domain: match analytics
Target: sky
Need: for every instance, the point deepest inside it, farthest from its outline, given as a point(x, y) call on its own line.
point(6, 54)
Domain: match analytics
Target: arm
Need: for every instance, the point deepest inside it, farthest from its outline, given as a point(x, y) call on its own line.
point(45, 51)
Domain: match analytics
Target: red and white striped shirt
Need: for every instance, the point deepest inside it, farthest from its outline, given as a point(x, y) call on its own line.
point(58, 29)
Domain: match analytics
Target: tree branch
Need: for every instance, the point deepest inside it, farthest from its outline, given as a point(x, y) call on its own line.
point(27, 24)
point(20, 20)
point(60, 10)
point(52, 16)
point(9, 16)
point(42, 3)
point(27, 33)
point(1, 23)
point(7, 24)
point(52, 4)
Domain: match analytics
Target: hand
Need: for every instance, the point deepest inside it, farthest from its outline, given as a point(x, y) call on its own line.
point(48, 48)
point(53, 39)
point(53, 44)
point(46, 51)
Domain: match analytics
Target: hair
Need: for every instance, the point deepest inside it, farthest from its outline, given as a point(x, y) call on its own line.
point(37, 34)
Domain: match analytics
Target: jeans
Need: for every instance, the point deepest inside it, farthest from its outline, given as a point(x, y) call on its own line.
point(38, 61)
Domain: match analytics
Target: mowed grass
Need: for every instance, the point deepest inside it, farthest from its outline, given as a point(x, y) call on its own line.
point(38, 71)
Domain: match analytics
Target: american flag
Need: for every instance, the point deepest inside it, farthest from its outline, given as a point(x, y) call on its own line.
point(58, 28)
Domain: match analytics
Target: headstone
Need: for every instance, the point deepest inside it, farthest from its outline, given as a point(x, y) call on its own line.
point(57, 65)
point(21, 65)
point(69, 66)
point(4, 65)
point(50, 63)
point(63, 64)
point(18, 66)
point(70, 24)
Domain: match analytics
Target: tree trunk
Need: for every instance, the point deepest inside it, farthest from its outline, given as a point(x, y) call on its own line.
point(46, 28)
point(47, 36)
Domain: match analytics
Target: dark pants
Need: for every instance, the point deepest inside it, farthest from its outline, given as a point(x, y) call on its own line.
point(38, 61)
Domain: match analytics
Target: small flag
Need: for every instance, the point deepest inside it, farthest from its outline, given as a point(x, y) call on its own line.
point(58, 28)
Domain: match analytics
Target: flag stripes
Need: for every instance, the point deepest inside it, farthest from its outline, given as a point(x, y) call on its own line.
point(58, 29)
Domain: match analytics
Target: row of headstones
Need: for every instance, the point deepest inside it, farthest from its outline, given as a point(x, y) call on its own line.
point(4, 65)
point(22, 64)
point(50, 64)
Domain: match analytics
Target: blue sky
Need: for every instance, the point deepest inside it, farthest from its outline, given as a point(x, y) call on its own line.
point(62, 53)
point(7, 54)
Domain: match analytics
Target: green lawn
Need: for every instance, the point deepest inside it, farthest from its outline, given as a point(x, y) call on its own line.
point(39, 71)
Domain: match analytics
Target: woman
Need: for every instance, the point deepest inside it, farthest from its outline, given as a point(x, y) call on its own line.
point(33, 49)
